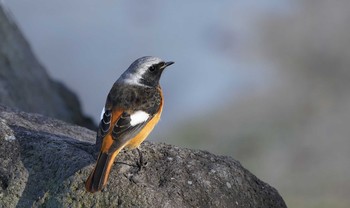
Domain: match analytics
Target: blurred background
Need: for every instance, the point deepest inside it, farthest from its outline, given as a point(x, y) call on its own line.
point(266, 82)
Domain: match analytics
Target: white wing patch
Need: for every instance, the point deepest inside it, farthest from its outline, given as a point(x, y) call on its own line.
point(138, 117)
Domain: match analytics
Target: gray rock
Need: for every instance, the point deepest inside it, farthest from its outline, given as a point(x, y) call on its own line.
point(44, 163)
point(24, 83)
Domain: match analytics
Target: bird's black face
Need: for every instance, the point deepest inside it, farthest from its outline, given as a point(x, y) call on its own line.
point(152, 75)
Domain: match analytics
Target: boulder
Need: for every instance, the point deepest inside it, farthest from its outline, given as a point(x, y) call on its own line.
point(24, 82)
point(44, 163)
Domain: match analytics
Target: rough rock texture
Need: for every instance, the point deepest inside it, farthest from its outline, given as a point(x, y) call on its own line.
point(44, 163)
point(24, 83)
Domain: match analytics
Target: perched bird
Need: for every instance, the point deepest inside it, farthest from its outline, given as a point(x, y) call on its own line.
point(133, 108)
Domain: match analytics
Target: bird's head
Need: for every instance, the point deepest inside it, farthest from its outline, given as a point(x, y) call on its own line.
point(145, 71)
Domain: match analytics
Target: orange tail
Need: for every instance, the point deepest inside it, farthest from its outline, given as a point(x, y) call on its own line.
point(98, 178)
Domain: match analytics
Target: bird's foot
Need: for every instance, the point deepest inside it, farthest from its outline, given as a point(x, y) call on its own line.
point(141, 162)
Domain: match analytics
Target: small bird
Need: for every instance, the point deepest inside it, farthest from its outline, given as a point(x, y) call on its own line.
point(133, 108)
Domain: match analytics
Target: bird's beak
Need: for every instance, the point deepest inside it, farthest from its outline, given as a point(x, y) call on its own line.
point(168, 64)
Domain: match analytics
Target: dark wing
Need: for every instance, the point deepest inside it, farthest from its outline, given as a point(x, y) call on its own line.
point(104, 126)
point(116, 129)
point(123, 130)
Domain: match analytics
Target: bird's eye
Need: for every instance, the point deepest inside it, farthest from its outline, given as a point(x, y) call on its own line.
point(152, 68)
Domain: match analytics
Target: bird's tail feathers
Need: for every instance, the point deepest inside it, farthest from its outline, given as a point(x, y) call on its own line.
point(98, 178)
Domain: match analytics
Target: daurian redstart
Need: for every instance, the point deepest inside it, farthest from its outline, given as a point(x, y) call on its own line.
point(133, 108)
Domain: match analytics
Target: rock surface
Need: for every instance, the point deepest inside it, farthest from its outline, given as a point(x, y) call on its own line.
point(44, 163)
point(24, 83)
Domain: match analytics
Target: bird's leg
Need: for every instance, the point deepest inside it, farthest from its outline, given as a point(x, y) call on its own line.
point(140, 162)
point(124, 163)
